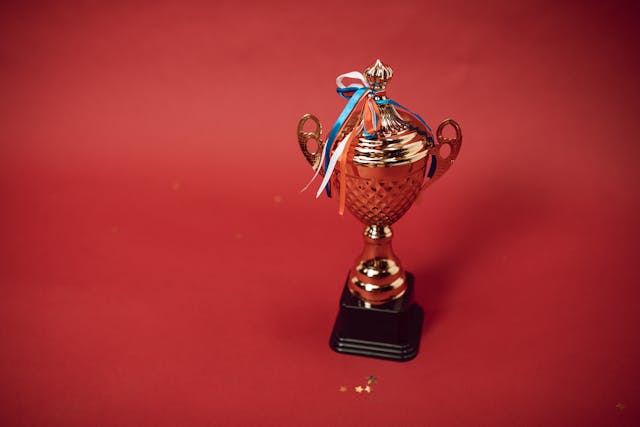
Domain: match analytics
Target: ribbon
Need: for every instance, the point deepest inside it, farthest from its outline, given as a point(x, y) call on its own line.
point(357, 94)
point(361, 102)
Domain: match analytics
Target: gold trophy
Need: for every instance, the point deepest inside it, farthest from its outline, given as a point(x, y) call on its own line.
point(377, 159)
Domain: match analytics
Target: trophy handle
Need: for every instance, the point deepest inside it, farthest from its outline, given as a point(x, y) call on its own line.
point(444, 163)
point(304, 137)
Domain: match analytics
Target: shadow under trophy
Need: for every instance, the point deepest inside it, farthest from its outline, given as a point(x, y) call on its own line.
point(376, 160)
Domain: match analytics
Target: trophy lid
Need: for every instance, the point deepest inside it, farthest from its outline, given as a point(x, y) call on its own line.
point(400, 138)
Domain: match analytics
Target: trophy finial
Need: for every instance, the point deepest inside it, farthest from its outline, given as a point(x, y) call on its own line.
point(378, 75)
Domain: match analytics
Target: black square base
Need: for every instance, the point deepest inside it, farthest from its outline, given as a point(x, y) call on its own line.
point(390, 331)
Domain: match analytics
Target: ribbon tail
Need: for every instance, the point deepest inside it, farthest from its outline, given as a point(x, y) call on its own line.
point(332, 163)
point(315, 175)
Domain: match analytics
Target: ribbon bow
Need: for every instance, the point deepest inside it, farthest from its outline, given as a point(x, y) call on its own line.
point(361, 100)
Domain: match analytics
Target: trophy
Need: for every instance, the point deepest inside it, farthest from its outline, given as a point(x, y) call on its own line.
point(376, 160)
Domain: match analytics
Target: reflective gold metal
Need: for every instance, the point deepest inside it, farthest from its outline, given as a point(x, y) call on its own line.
point(383, 177)
point(304, 137)
point(444, 163)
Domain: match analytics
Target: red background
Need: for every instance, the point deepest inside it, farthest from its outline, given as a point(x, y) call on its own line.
point(160, 267)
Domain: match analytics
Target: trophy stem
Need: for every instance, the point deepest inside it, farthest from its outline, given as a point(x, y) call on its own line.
point(378, 277)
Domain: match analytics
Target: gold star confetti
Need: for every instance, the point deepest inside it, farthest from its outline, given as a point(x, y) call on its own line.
point(620, 406)
point(368, 387)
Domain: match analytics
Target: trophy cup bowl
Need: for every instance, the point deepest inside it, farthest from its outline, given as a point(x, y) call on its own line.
point(382, 177)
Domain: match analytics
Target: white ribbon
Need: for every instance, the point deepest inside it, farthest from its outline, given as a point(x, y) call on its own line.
point(315, 175)
point(356, 75)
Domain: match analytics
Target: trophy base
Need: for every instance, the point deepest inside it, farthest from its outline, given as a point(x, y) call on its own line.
point(389, 331)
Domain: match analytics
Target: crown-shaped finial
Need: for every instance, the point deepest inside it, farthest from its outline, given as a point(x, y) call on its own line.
point(378, 75)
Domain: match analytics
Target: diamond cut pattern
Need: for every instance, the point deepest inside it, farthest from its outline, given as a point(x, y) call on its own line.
point(377, 201)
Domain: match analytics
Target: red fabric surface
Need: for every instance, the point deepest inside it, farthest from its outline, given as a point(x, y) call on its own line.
point(160, 267)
